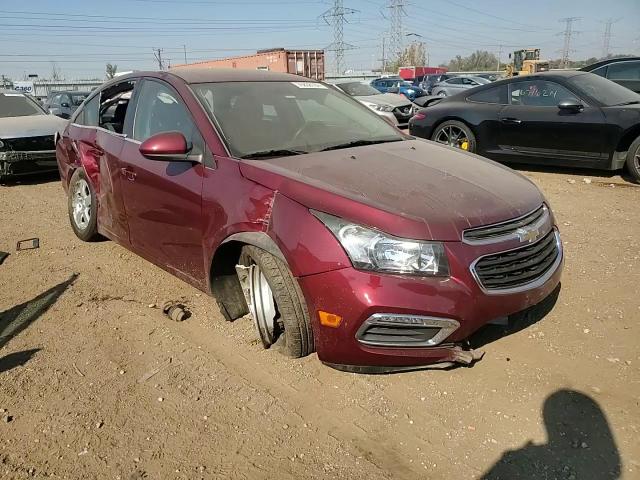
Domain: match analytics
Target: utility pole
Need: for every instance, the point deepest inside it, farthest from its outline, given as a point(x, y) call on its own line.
point(396, 43)
point(185, 53)
point(499, 57)
point(606, 44)
point(568, 32)
point(157, 53)
point(336, 16)
point(384, 58)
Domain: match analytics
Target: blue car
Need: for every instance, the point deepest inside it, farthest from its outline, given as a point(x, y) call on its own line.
point(398, 85)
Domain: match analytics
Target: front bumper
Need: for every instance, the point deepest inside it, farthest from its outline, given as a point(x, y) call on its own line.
point(356, 296)
point(17, 163)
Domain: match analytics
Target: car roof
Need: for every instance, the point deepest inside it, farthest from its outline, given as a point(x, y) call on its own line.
point(608, 61)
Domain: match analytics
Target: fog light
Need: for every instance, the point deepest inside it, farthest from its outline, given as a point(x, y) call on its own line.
point(398, 330)
point(329, 319)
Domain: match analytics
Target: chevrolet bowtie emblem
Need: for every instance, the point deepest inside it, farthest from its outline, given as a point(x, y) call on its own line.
point(527, 234)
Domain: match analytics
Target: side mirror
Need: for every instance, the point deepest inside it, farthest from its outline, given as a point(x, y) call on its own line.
point(393, 90)
point(168, 147)
point(571, 106)
point(64, 105)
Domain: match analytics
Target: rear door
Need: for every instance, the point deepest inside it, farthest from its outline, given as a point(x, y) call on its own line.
point(532, 127)
point(162, 198)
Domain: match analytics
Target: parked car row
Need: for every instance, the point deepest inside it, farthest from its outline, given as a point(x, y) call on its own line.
point(574, 119)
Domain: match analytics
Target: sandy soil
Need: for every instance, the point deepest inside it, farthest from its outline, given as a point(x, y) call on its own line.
point(95, 382)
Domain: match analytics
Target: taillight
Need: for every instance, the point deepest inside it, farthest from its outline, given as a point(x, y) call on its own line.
point(419, 116)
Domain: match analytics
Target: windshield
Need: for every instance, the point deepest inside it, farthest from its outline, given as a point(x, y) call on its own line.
point(78, 98)
point(357, 89)
point(605, 91)
point(277, 118)
point(17, 105)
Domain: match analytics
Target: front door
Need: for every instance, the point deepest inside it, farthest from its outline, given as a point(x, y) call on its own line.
point(532, 126)
point(163, 199)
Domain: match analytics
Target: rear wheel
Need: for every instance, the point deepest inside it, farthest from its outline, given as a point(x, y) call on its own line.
point(441, 93)
point(276, 302)
point(82, 207)
point(633, 160)
point(455, 134)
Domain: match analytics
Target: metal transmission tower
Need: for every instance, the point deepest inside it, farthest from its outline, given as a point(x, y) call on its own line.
point(336, 16)
point(568, 32)
point(606, 45)
point(396, 34)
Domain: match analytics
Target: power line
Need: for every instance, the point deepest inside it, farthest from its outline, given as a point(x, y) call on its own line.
point(336, 16)
point(568, 32)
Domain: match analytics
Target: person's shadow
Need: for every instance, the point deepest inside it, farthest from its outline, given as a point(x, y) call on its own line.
point(580, 445)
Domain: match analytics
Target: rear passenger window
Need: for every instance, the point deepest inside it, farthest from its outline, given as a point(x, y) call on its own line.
point(539, 93)
point(491, 95)
point(624, 71)
point(88, 116)
point(114, 102)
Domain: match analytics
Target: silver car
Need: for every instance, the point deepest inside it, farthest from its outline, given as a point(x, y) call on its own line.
point(27, 132)
point(392, 106)
point(455, 85)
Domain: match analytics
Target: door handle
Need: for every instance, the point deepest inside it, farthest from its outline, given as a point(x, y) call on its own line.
point(511, 121)
point(128, 174)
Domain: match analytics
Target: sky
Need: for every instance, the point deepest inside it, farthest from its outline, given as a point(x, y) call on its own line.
point(81, 36)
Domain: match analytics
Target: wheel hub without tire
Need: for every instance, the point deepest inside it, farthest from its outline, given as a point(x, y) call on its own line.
point(260, 301)
point(81, 204)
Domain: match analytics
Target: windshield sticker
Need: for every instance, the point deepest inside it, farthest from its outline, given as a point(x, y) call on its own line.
point(308, 85)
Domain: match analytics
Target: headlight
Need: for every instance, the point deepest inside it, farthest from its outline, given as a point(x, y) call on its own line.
point(370, 249)
point(379, 108)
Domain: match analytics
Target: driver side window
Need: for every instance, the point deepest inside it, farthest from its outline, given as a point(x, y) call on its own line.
point(160, 109)
point(538, 93)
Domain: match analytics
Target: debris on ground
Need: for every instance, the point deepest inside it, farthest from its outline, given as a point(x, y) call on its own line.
point(175, 311)
point(3, 256)
point(28, 244)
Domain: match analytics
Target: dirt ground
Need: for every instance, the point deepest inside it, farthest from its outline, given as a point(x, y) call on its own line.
point(96, 383)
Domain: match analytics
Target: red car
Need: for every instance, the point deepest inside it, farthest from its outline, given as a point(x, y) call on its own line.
point(284, 198)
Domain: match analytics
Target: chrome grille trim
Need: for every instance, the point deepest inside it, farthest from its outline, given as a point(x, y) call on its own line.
point(539, 219)
point(535, 282)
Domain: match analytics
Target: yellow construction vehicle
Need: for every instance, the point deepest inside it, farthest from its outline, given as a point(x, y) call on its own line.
point(526, 62)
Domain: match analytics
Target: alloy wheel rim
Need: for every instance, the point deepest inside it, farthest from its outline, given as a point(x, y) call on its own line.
point(454, 137)
point(263, 306)
point(636, 159)
point(81, 204)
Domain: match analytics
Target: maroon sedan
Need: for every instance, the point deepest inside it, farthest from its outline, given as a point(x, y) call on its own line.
point(284, 198)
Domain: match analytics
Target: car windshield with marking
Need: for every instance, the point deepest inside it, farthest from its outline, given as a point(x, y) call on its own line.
point(270, 119)
point(609, 93)
point(18, 105)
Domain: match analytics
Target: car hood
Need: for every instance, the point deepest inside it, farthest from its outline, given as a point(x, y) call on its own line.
point(30, 126)
point(385, 99)
point(412, 189)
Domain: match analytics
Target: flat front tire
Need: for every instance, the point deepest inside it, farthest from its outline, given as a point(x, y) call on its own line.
point(276, 303)
point(82, 206)
point(633, 160)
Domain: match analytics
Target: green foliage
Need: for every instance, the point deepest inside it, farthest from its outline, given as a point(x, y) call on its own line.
point(413, 56)
point(478, 61)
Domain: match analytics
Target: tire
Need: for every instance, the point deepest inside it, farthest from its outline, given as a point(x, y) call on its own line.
point(633, 160)
point(455, 124)
point(293, 335)
point(80, 189)
point(441, 93)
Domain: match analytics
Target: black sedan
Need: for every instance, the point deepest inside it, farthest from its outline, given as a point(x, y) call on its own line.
point(574, 119)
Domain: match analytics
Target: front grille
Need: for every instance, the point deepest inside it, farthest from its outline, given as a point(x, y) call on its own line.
point(29, 143)
point(398, 330)
point(402, 113)
point(519, 267)
point(501, 231)
point(13, 156)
